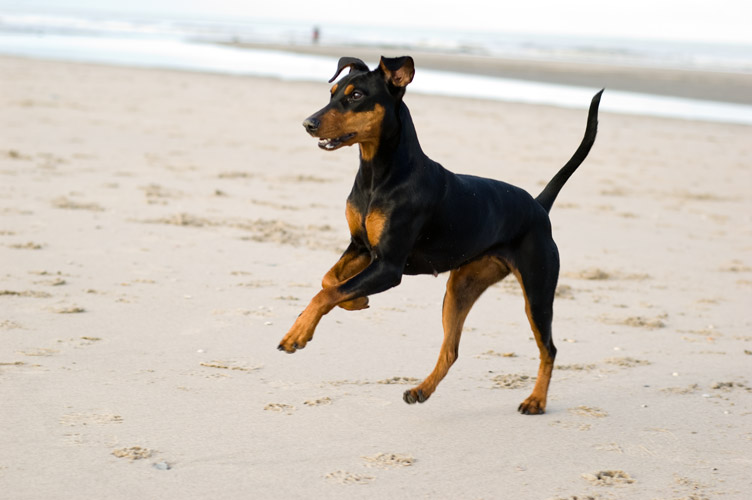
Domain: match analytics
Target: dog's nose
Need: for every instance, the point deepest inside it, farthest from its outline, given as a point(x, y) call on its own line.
point(311, 125)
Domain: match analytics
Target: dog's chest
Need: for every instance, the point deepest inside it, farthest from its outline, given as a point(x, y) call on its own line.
point(367, 227)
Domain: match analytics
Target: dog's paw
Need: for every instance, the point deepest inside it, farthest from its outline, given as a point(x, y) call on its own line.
point(532, 406)
point(289, 349)
point(413, 396)
point(297, 338)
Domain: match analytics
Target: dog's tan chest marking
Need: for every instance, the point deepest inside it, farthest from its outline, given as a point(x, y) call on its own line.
point(354, 219)
point(375, 222)
point(372, 224)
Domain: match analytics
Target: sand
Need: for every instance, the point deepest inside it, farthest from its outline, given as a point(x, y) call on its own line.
point(161, 231)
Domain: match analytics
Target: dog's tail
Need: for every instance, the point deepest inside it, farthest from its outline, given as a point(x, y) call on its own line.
point(549, 193)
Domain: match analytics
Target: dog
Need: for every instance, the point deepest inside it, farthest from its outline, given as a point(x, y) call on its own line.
point(408, 215)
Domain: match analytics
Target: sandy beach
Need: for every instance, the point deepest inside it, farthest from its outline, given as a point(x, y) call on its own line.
point(162, 230)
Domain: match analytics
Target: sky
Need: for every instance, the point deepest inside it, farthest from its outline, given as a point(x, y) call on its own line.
point(702, 20)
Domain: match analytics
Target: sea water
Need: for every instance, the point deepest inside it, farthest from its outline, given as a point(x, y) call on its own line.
point(199, 44)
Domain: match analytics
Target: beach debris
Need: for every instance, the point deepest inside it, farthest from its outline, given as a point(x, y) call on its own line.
point(162, 465)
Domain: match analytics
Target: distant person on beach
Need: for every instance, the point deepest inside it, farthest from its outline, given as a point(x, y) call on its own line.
point(316, 34)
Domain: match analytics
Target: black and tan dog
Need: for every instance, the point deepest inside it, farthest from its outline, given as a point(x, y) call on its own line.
point(409, 215)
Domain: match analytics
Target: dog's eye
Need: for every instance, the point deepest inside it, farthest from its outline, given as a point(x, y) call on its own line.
point(357, 94)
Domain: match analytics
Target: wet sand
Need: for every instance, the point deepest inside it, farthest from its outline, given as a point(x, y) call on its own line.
point(733, 87)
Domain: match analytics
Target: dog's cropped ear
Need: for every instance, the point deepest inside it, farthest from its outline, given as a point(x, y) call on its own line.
point(398, 71)
point(352, 62)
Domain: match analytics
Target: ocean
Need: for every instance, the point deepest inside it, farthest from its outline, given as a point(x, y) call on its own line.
point(176, 41)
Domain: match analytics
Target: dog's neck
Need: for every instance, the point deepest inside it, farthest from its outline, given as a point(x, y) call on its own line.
point(398, 152)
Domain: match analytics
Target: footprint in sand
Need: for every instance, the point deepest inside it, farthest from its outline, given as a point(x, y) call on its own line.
point(318, 402)
point(588, 411)
point(68, 310)
point(85, 419)
point(25, 293)
point(608, 478)
point(512, 381)
point(30, 245)
point(68, 204)
point(626, 362)
point(40, 351)
point(134, 453)
point(344, 477)
point(389, 460)
point(280, 408)
point(230, 365)
point(636, 321)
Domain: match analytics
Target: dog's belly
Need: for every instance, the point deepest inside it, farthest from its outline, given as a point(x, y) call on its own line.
point(418, 263)
point(421, 262)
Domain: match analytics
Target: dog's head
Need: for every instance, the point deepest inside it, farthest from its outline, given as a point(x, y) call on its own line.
point(362, 103)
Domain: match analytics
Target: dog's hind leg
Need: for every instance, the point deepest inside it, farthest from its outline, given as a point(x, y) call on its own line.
point(537, 269)
point(464, 286)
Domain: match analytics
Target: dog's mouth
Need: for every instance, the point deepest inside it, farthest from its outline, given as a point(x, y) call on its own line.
point(332, 144)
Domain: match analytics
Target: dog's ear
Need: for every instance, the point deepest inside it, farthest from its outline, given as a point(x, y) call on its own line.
point(353, 62)
point(398, 71)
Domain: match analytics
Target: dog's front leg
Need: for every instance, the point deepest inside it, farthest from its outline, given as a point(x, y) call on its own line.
point(378, 276)
point(353, 261)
